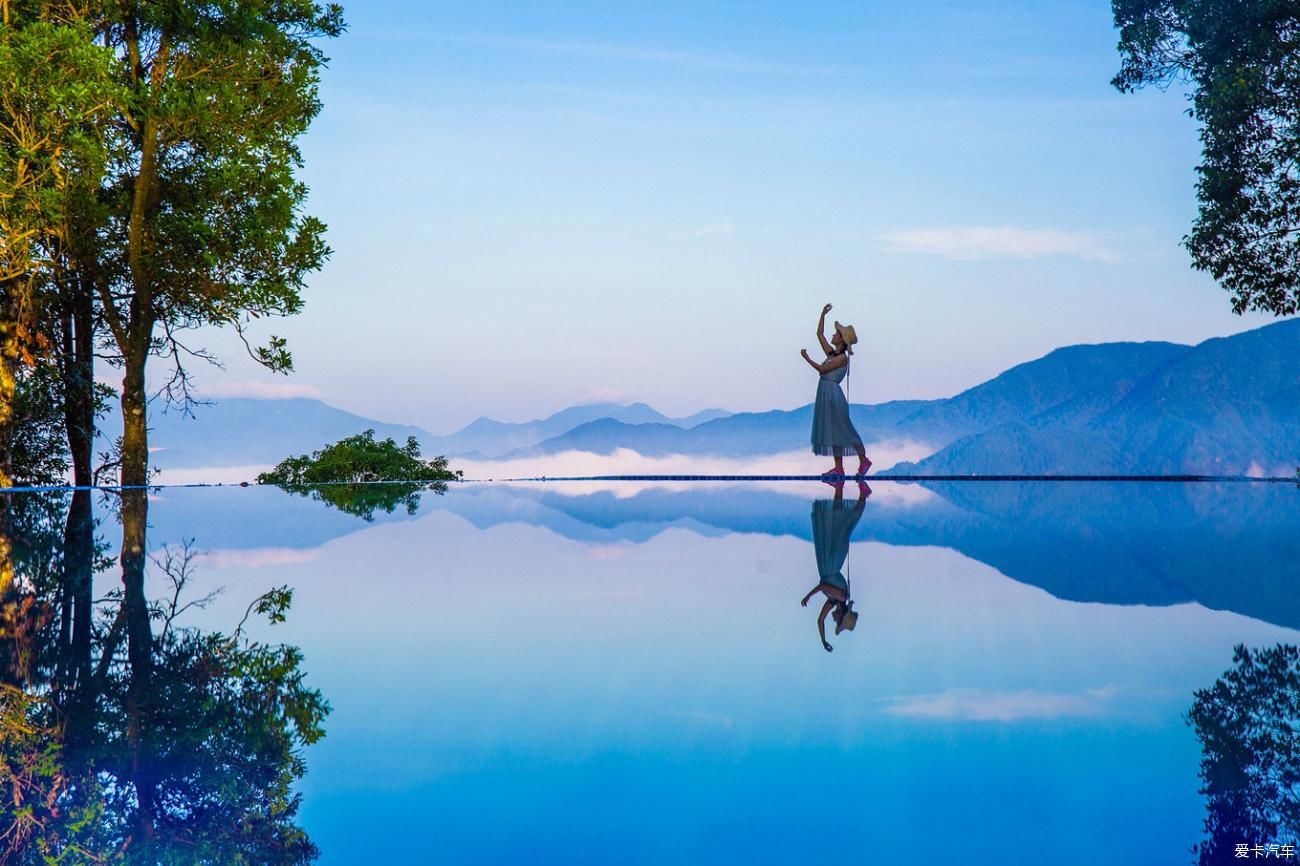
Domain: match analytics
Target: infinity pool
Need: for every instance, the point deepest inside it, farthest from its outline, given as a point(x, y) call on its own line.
point(624, 673)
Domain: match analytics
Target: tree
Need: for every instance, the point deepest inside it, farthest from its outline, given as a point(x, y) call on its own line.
point(55, 92)
point(360, 475)
point(1242, 61)
point(1250, 764)
point(206, 222)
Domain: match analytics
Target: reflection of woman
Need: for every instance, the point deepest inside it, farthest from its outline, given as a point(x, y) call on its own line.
point(833, 434)
point(832, 528)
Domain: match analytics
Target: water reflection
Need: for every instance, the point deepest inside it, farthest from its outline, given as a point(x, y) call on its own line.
point(364, 500)
point(1250, 756)
point(1125, 544)
point(832, 530)
point(125, 735)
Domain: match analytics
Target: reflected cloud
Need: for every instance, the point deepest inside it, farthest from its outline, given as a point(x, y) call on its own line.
point(990, 705)
point(712, 720)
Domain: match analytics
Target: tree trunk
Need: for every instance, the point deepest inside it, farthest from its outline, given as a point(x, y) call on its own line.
point(78, 350)
point(8, 379)
point(139, 650)
point(135, 437)
point(78, 577)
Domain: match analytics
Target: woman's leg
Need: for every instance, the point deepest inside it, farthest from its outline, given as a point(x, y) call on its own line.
point(864, 463)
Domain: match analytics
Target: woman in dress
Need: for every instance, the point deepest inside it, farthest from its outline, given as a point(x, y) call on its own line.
point(832, 531)
point(832, 432)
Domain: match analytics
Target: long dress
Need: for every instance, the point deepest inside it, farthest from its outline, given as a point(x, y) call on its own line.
point(833, 434)
point(832, 529)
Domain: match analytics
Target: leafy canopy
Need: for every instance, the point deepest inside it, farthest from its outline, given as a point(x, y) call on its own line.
point(360, 459)
point(1241, 59)
point(349, 468)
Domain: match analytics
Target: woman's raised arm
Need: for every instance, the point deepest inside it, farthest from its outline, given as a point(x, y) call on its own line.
point(821, 331)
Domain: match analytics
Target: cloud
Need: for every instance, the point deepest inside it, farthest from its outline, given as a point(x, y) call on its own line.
point(211, 475)
point(624, 461)
point(604, 394)
point(707, 719)
point(722, 227)
point(996, 242)
point(988, 705)
point(627, 53)
point(260, 390)
point(259, 556)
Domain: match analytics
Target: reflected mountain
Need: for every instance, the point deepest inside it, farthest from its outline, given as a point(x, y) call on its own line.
point(368, 499)
point(125, 735)
point(1227, 546)
point(1230, 546)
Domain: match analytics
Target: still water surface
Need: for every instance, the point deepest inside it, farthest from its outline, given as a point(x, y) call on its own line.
point(625, 674)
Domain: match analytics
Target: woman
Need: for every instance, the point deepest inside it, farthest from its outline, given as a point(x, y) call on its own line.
point(832, 431)
point(832, 531)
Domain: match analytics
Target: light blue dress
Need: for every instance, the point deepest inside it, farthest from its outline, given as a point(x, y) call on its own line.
point(832, 530)
point(833, 434)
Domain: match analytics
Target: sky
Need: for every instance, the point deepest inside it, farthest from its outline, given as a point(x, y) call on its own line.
point(537, 204)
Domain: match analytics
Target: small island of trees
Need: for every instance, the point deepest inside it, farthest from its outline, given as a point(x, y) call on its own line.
point(360, 474)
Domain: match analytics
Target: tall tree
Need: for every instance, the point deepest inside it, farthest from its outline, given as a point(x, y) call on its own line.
point(1241, 59)
point(55, 92)
point(208, 222)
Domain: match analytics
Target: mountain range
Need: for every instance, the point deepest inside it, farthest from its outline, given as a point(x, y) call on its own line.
point(1228, 405)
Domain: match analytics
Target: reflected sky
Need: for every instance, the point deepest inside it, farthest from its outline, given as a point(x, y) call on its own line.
point(630, 678)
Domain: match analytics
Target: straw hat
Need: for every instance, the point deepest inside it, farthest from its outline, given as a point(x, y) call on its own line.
point(847, 334)
point(847, 619)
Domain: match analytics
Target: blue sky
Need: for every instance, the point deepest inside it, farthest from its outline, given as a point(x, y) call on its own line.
point(538, 204)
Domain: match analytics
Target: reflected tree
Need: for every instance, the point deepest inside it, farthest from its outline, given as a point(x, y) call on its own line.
point(361, 475)
point(126, 736)
point(1247, 723)
point(363, 500)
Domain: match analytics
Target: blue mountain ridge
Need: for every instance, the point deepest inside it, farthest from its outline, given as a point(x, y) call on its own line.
point(1228, 406)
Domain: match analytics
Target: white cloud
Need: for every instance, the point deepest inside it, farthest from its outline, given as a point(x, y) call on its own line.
point(987, 705)
point(604, 394)
point(259, 556)
point(627, 53)
point(996, 242)
point(722, 227)
point(211, 475)
point(259, 390)
point(708, 719)
point(624, 461)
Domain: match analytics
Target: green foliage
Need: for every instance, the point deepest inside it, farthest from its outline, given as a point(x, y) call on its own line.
point(1250, 764)
point(55, 87)
point(1242, 61)
point(55, 91)
point(348, 475)
point(33, 446)
point(359, 459)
